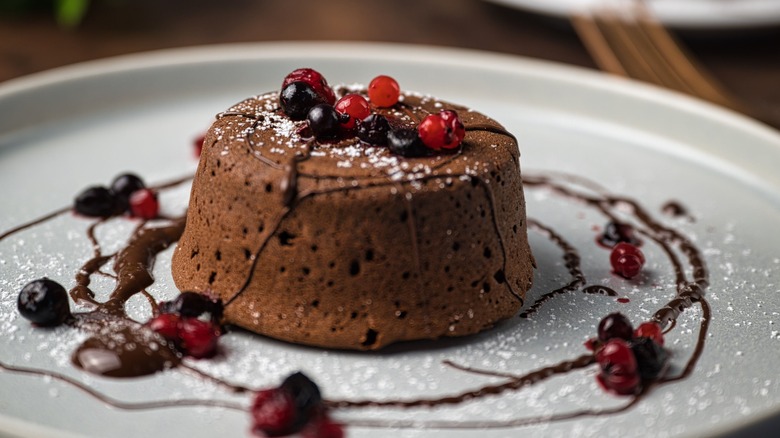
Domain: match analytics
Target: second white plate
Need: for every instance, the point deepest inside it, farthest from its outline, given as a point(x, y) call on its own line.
point(682, 14)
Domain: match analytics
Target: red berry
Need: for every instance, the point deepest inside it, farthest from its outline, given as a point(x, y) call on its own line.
point(626, 259)
point(355, 106)
point(314, 79)
point(592, 344)
point(616, 356)
point(198, 338)
point(615, 325)
point(384, 91)
point(323, 428)
point(144, 204)
point(650, 330)
point(197, 144)
point(622, 384)
point(273, 412)
point(167, 325)
point(441, 131)
point(455, 126)
point(619, 372)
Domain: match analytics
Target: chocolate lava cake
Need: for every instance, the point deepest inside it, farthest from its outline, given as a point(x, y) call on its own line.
point(360, 235)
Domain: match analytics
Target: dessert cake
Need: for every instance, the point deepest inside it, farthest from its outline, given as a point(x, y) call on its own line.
point(394, 217)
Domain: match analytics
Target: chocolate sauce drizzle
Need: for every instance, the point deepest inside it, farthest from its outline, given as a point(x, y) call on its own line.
point(571, 259)
point(133, 274)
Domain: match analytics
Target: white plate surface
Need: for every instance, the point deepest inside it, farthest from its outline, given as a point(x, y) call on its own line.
point(66, 129)
point(686, 14)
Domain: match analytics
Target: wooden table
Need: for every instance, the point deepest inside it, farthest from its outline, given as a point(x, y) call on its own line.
point(748, 63)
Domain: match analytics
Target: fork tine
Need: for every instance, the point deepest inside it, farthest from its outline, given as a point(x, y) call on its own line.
point(635, 45)
point(597, 45)
point(621, 48)
point(646, 51)
point(699, 81)
point(633, 51)
point(606, 39)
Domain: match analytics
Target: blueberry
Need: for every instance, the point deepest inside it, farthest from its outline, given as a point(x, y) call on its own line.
point(193, 305)
point(306, 394)
point(123, 186)
point(406, 143)
point(43, 302)
point(324, 121)
point(650, 357)
point(297, 98)
point(96, 201)
point(374, 129)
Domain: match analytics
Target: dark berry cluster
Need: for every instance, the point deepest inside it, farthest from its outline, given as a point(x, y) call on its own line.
point(44, 302)
point(180, 323)
point(127, 194)
point(628, 358)
point(293, 407)
point(626, 258)
point(305, 95)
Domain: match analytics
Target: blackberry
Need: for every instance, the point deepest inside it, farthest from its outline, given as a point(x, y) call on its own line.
point(324, 121)
point(615, 325)
point(373, 130)
point(123, 186)
point(96, 201)
point(297, 98)
point(306, 394)
point(193, 305)
point(616, 232)
point(650, 357)
point(406, 143)
point(44, 302)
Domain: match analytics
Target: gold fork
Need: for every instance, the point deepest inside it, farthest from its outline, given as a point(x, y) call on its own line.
point(629, 42)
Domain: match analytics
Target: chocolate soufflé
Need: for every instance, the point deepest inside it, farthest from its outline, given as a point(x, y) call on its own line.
point(344, 244)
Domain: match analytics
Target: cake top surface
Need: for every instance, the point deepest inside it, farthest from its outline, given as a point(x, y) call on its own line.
point(258, 126)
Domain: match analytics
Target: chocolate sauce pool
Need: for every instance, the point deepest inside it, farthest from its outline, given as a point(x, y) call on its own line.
point(120, 347)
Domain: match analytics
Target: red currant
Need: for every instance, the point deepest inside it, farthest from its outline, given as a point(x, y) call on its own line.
point(323, 428)
point(356, 107)
point(626, 259)
point(441, 131)
point(198, 338)
point(453, 122)
point(592, 344)
point(273, 412)
point(144, 204)
point(314, 79)
point(384, 91)
point(621, 384)
point(167, 325)
point(197, 144)
point(650, 330)
point(616, 355)
point(619, 370)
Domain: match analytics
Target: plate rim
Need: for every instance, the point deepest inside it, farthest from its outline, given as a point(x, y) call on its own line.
point(203, 54)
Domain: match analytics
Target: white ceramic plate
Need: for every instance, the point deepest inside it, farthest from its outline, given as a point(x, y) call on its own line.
point(684, 14)
point(69, 128)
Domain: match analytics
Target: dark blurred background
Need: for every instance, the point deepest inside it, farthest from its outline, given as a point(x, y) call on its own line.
point(37, 35)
